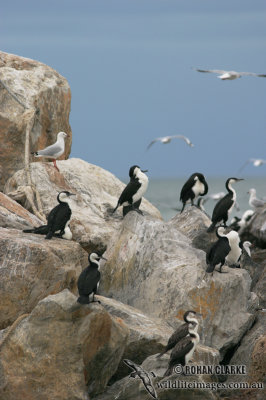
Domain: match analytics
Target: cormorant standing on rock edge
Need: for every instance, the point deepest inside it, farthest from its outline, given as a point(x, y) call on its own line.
point(183, 350)
point(181, 331)
point(195, 186)
point(88, 280)
point(58, 218)
point(134, 190)
point(224, 206)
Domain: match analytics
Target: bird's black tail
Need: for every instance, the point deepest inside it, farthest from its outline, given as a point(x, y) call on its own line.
point(83, 300)
point(168, 371)
point(49, 235)
point(162, 353)
point(211, 227)
point(184, 205)
point(40, 230)
point(210, 268)
point(114, 210)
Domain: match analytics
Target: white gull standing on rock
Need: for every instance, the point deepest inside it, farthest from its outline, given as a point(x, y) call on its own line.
point(55, 150)
point(253, 201)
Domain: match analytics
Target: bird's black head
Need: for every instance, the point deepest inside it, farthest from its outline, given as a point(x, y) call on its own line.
point(133, 171)
point(64, 196)
point(232, 180)
point(189, 313)
point(200, 176)
point(95, 258)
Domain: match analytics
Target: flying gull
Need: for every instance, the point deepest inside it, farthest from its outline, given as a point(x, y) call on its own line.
point(257, 162)
point(167, 139)
point(55, 150)
point(229, 75)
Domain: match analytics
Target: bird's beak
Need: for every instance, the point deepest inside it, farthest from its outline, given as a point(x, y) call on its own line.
point(72, 194)
point(144, 170)
point(199, 314)
point(240, 179)
point(103, 258)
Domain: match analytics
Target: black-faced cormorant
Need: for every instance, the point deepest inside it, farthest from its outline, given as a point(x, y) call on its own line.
point(58, 218)
point(224, 206)
point(88, 280)
point(134, 190)
point(183, 350)
point(181, 331)
point(145, 376)
point(195, 186)
point(219, 250)
point(236, 248)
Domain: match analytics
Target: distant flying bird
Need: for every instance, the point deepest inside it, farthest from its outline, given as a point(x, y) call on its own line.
point(145, 376)
point(55, 150)
point(230, 75)
point(257, 162)
point(167, 139)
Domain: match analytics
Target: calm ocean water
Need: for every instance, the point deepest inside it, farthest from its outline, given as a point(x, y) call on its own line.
point(164, 194)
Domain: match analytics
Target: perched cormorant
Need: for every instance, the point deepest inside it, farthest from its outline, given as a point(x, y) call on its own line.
point(181, 331)
point(224, 206)
point(145, 376)
point(239, 224)
point(55, 150)
point(57, 220)
point(236, 246)
point(88, 280)
point(183, 350)
point(195, 186)
point(134, 190)
point(216, 255)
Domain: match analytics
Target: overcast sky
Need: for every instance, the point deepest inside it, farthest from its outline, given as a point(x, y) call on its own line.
point(129, 65)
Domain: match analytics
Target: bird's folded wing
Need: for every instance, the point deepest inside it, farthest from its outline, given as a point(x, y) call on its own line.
point(51, 150)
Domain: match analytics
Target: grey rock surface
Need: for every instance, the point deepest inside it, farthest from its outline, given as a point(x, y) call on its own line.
point(97, 192)
point(152, 266)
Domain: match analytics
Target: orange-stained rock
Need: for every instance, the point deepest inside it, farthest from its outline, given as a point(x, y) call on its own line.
point(39, 87)
point(13, 215)
point(61, 351)
point(31, 268)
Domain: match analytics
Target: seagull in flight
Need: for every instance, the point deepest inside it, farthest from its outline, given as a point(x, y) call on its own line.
point(167, 139)
point(229, 75)
point(257, 162)
point(55, 150)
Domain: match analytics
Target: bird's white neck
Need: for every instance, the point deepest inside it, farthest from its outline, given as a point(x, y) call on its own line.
point(230, 188)
point(141, 176)
point(195, 321)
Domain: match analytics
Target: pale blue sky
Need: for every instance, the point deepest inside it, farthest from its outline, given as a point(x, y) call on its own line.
point(129, 65)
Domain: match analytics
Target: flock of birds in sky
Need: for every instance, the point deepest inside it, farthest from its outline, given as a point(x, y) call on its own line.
point(227, 249)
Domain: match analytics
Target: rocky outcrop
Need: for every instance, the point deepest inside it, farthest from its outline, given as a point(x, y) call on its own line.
point(62, 350)
point(256, 229)
point(97, 192)
point(244, 353)
point(31, 268)
point(147, 335)
point(152, 266)
point(28, 84)
point(13, 215)
point(167, 389)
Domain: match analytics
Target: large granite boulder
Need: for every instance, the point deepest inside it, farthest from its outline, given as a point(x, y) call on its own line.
point(97, 192)
point(256, 229)
point(31, 268)
point(171, 388)
point(13, 215)
point(147, 335)
point(28, 84)
point(62, 350)
point(152, 266)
